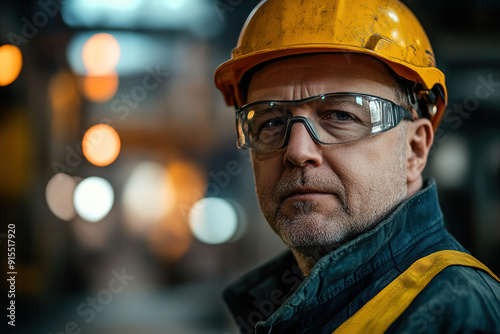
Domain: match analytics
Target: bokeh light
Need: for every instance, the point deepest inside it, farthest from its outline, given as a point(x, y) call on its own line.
point(66, 102)
point(100, 88)
point(19, 155)
point(189, 181)
point(197, 16)
point(213, 220)
point(451, 163)
point(63, 92)
point(174, 4)
point(101, 54)
point(93, 198)
point(148, 196)
point(59, 195)
point(101, 145)
point(172, 237)
point(137, 51)
point(11, 62)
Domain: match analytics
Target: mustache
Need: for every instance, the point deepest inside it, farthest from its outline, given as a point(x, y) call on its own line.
point(307, 179)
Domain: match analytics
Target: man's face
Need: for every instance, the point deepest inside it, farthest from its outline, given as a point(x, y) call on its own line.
point(315, 197)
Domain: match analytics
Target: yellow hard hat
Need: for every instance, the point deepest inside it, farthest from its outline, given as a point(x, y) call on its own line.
point(384, 29)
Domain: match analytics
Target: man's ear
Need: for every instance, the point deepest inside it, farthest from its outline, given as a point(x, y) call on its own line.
point(419, 138)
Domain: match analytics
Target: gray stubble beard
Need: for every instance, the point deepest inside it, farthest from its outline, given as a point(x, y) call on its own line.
point(314, 239)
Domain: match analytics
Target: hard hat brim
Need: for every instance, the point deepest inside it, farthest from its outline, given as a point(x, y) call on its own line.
point(229, 74)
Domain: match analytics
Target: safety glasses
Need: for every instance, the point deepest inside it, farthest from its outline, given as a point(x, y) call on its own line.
point(334, 118)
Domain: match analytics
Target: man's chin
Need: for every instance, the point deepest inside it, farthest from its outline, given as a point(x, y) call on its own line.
point(313, 248)
point(312, 252)
point(316, 245)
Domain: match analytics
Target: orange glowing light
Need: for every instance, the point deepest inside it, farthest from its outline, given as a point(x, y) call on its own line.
point(189, 182)
point(101, 145)
point(63, 93)
point(172, 237)
point(101, 54)
point(11, 62)
point(66, 102)
point(100, 88)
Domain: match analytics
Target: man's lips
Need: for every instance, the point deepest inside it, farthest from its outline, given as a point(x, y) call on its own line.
point(304, 193)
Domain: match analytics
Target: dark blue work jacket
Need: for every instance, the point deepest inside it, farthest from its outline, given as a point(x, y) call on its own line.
point(275, 298)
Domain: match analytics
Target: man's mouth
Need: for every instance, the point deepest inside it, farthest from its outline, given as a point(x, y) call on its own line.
point(304, 193)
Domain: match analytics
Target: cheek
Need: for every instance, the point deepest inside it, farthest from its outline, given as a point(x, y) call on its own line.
point(364, 167)
point(354, 161)
point(267, 170)
point(377, 154)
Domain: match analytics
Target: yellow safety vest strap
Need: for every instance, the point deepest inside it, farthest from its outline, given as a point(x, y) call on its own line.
point(381, 311)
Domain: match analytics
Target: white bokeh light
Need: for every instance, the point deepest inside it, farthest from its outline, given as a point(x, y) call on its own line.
point(147, 196)
point(213, 220)
point(93, 198)
point(203, 17)
point(450, 162)
point(174, 4)
point(59, 196)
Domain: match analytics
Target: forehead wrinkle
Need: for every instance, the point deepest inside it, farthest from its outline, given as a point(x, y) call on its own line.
point(305, 76)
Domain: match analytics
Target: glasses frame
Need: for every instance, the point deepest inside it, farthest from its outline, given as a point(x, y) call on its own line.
point(242, 143)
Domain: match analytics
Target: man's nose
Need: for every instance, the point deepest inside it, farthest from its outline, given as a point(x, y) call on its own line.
point(302, 149)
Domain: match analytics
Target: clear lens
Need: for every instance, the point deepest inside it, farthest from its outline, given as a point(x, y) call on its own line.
point(332, 119)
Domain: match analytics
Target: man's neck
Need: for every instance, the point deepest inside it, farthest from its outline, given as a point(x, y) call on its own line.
point(305, 263)
point(414, 187)
point(307, 260)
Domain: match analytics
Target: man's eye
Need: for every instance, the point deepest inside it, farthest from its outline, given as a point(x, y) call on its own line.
point(339, 116)
point(343, 116)
point(272, 123)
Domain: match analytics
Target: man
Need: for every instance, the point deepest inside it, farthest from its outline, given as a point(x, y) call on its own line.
point(338, 102)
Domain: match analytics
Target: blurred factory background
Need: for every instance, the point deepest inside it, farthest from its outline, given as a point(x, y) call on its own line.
point(132, 206)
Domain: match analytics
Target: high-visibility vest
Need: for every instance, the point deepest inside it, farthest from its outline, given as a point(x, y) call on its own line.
point(383, 309)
